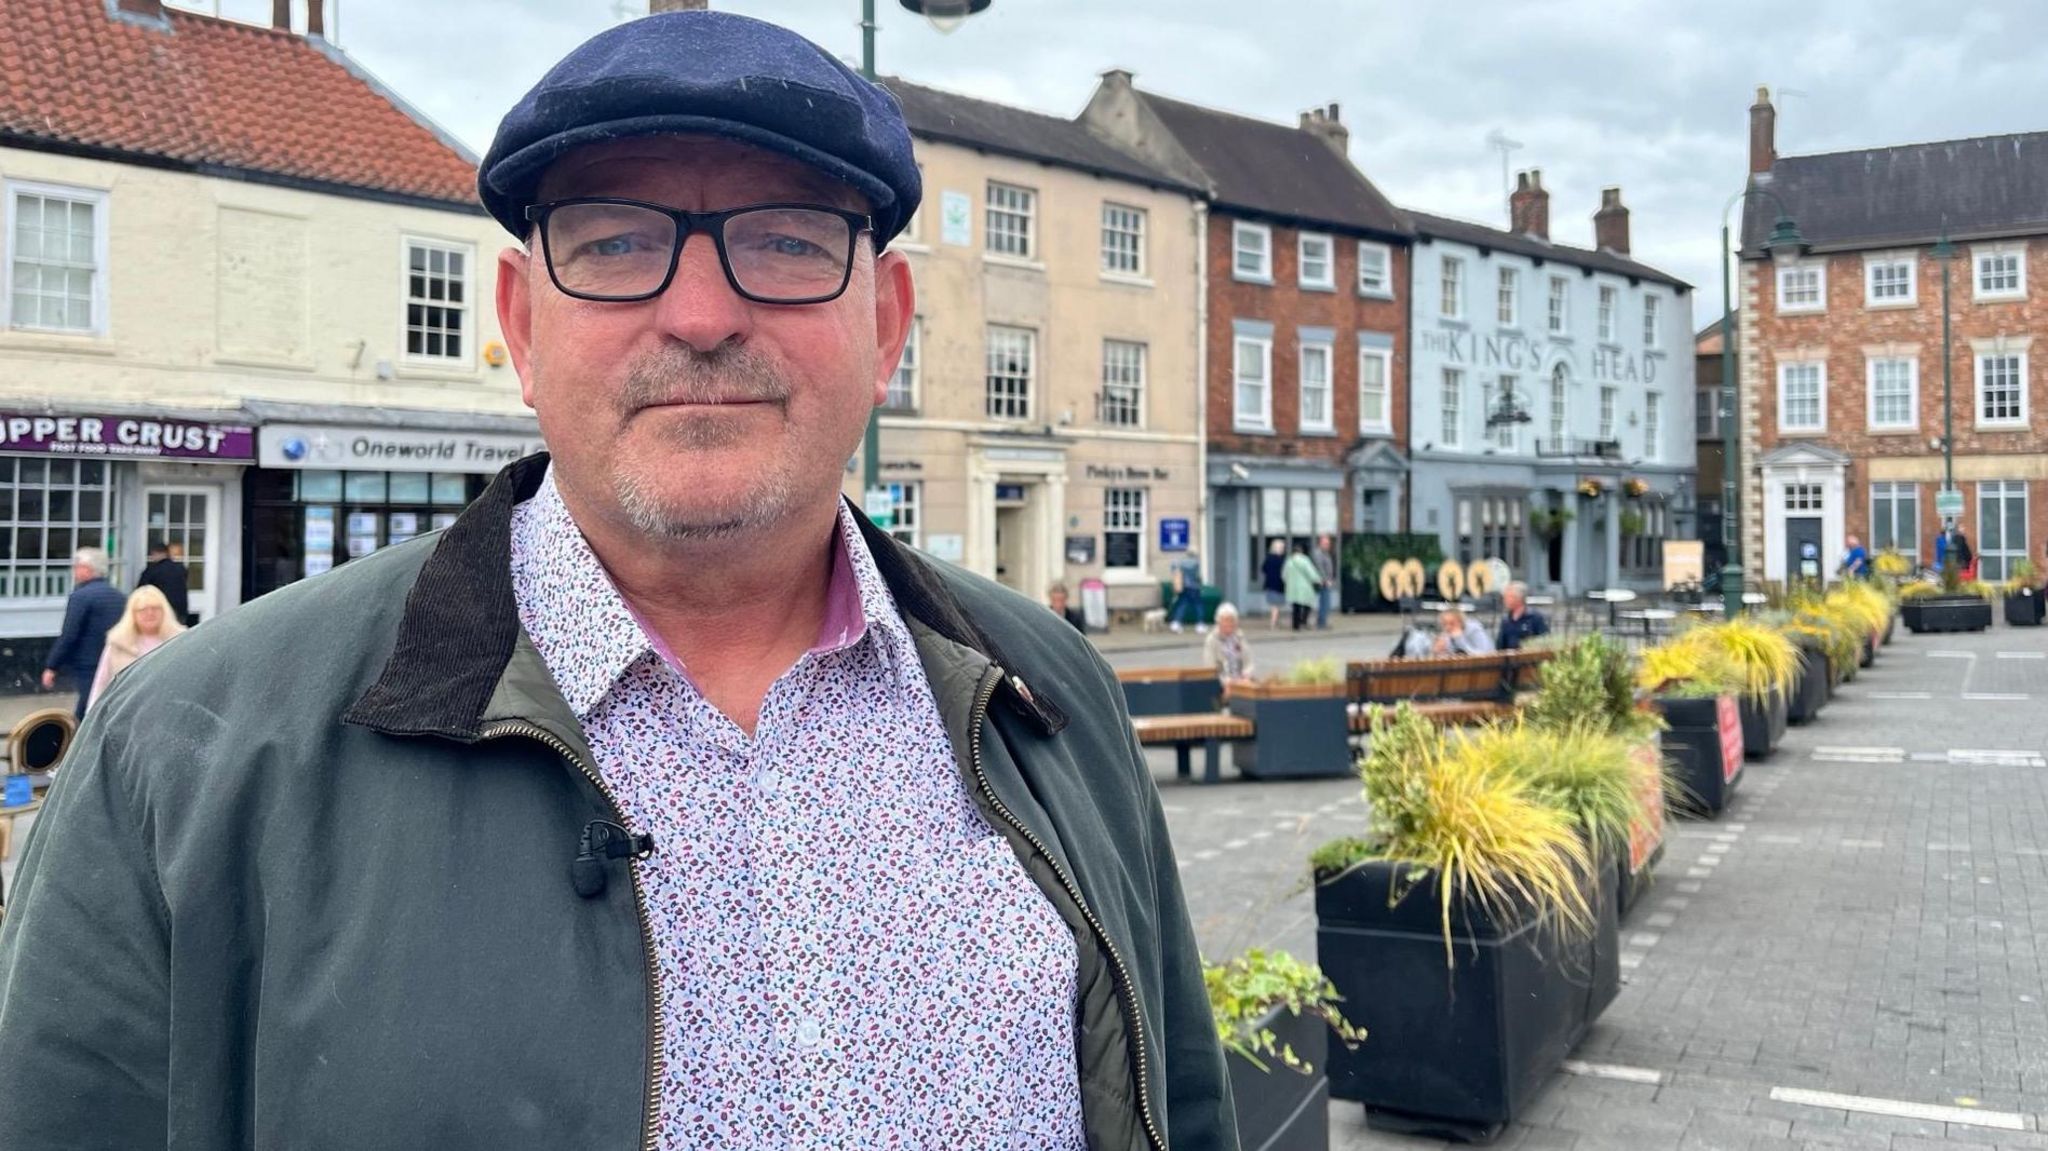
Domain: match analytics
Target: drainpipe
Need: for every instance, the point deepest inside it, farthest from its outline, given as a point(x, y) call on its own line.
point(1209, 572)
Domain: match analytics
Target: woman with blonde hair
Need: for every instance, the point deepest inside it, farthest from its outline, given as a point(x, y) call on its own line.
point(144, 627)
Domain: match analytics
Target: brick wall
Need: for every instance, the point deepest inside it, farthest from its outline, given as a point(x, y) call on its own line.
point(1288, 307)
point(1849, 331)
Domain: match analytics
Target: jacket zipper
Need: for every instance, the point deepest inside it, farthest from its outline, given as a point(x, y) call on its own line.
point(657, 1060)
point(1127, 997)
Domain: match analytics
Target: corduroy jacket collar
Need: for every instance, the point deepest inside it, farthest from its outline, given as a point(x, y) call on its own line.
point(461, 622)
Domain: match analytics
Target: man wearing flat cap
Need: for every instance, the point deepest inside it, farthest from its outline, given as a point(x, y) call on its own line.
point(661, 801)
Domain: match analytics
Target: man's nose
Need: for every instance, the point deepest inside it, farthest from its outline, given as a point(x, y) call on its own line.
point(700, 307)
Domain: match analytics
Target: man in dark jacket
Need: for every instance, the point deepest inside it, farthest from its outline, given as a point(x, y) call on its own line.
point(94, 608)
point(164, 573)
point(679, 807)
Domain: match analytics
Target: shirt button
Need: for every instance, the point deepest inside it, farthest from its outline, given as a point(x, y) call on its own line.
point(770, 782)
point(809, 1033)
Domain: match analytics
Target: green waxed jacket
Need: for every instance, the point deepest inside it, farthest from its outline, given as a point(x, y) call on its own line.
point(305, 879)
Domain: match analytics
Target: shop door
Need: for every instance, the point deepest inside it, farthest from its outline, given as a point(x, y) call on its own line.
point(1010, 547)
point(182, 518)
point(1803, 556)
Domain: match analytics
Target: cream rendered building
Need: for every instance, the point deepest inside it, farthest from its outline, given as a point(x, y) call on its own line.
point(254, 336)
point(1045, 423)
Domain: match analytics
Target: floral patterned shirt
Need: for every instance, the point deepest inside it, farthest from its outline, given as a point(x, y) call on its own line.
point(849, 955)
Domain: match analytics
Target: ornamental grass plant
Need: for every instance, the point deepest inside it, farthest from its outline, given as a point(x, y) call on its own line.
point(1586, 772)
point(1591, 682)
point(1763, 659)
point(1689, 669)
point(1315, 673)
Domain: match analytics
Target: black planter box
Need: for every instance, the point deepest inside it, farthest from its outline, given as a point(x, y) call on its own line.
point(1298, 738)
point(1940, 613)
point(1869, 655)
point(1280, 1109)
point(1703, 747)
point(1172, 696)
point(1810, 689)
point(1456, 1052)
point(1763, 724)
point(2023, 609)
point(1890, 621)
point(1635, 866)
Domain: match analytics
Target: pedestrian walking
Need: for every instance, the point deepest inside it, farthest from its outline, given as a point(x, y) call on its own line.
point(1056, 599)
point(145, 625)
point(1187, 592)
point(168, 574)
point(1274, 582)
point(92, 610)
point(1300, 582)
point(1326, 572)
point(662, 800)
point(1855, 560)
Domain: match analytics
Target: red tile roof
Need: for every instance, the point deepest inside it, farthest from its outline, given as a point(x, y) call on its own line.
point(212, 93)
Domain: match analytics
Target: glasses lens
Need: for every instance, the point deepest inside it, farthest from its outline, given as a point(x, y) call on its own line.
point(789, 253)
point(609, 250)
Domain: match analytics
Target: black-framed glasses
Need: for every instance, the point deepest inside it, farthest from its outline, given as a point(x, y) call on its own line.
point(614, 250)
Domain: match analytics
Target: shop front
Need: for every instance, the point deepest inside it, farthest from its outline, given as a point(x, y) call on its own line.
point(324, 494)
point(1257, 501)
point(118, 481)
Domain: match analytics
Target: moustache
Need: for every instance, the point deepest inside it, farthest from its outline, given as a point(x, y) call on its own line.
point(682, 375)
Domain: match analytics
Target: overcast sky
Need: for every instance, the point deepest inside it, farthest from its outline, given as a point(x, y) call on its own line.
point(1650, 95)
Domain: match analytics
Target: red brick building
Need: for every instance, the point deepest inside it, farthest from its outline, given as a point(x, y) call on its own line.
point(1842, 349)
point(1306, 323)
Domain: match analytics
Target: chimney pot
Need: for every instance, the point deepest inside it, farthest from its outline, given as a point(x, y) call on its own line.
point(1610, 223)
point(1333, 113)
point(657, 6)
point(1763, 132)
point(1529, 205)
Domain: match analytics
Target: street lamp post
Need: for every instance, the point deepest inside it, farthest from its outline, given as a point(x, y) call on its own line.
point(945, 15)
point(1784, 238)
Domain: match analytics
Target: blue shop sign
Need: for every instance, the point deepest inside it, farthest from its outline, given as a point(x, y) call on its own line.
point(1173, 535)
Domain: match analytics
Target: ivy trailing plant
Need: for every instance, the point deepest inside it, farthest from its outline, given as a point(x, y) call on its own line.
point(1244, 992)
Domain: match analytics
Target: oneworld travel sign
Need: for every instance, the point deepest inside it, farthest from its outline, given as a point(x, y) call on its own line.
point(390, 449)
point(125, 436)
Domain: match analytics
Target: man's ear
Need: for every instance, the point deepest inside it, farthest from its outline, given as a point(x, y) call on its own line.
point(515, 313)
point(895, 311)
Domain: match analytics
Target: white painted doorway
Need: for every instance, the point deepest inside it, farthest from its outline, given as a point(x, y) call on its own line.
point(188, 517)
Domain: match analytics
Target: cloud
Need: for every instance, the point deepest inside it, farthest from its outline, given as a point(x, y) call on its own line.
point(1649, 95)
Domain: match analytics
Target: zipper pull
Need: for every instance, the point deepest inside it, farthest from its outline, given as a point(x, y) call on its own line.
point(604, 840)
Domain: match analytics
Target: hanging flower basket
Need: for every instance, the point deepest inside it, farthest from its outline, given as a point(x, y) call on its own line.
point(1635, 487)
point(1592, 489)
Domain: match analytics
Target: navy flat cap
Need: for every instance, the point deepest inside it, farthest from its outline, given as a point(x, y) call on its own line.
point(712, 73)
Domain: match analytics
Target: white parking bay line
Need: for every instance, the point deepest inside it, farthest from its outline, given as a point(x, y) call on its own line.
point(1952, 655)
point(1995, 696)
point(1234, 844)
point(2023, 655)
point(1991, 757)
point(1612, 1071)
point(1902, 695)
point(1863, 843)
point(1899, 1108)
point(1859, 754)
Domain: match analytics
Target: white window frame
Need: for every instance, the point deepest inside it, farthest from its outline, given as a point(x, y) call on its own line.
point(913, 227)
point(1977, 407)
point(1891, 494)
point(1653, 426)
point(1560, 407)
point(906, 369)
point(1870, 367)
point(1241, 420)
point(467, 360)
point(1380, 287)
point(1786, 271)
point(1385, 359)
point(1327, 282)
point(1610, 406)
point(1983, 252)
point(1820, 370)
point(1134, 385)
point(98, 198)
point(1508, 296)
point(1500, 436)
point(1451, 276)
point(2005, 554)
point(990, 399)
point(1451, 409)
point(1124, 224)
point(1876, 260)
point(1118, 516)
point(1653, 322)
point(1241, 230)
point(906, 503)
point(1327, 352)
point(1558, 306)
point(38, 578)
point(1021, 205)
point(1609, 314)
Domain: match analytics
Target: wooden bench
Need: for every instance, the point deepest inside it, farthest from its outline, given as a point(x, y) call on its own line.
point(1453, 689)
point(1182, 732)
point(1169, 690)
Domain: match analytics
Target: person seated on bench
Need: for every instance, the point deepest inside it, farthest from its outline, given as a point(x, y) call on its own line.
point(1460, 634)
point(1228, 651)
point(1518, 623)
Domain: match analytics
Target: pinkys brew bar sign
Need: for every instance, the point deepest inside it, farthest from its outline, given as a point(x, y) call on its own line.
point(133, 437)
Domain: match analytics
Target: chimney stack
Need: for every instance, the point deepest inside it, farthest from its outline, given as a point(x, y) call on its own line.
point(1529, 205)
point(1763, 132)
point(655, 7)
point(1325, 124)
point(1610, 223)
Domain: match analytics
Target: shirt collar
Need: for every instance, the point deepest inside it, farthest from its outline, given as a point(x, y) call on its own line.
point(588, 634)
